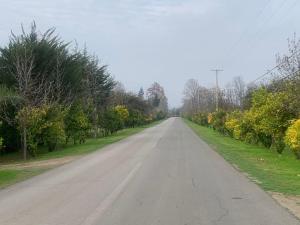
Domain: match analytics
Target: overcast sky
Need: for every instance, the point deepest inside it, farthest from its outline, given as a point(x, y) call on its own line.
point(168, 41)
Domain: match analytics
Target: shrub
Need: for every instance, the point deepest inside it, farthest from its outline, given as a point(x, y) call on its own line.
point(1, 140)
point(218, 121)
point(32, 119)
point(135, 118)
point(77, 123)
point(272, 114)
point(122, 112)
point(210, 118)
point(200, 118)
point(233, 124)
point(53, 132)
point(292, 137)
point(111, 121)
point(233, 128)
point(43, 125)
point(160, 115)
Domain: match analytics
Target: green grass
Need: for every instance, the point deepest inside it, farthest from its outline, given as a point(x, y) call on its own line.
point(273, 172)
point(10, 175)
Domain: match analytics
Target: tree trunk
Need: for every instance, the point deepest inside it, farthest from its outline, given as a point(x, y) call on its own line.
point(24, 137)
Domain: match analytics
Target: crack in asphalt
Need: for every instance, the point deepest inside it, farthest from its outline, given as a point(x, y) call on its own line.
point(223, 215)
point(193, 183)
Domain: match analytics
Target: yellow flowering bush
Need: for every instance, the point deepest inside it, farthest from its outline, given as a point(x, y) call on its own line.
point(210, 118)
point(43, 124)
point(233, 127)
point(122, 111)
point(292, 137)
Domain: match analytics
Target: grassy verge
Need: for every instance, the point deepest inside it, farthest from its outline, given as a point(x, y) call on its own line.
point(273, 172)
point(10, 174)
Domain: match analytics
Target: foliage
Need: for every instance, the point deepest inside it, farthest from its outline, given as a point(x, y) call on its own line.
point(31, 122)
point(258, 114)
point(272, 114)
point(50, 92)
point(44, 125)
point(233, 124)
point(53, 131)
point(135, 118)
point(111, 121)
point(273, 172)
point(218, 121)
point(122, 112)
point(200, 118)
point(1, 139)
point(77, 124)
point(292, 137)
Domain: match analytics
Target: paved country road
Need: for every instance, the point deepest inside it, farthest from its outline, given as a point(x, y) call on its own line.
point(164, 175)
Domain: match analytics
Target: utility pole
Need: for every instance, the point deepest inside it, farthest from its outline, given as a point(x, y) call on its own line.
point(217, 88)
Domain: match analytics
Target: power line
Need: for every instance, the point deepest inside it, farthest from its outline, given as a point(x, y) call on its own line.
point(275, 67)
point(246, 30)
point(260, 27)
point(292, 6)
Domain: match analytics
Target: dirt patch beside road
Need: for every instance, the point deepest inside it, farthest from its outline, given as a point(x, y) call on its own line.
point(49, 163)
point(292, 203)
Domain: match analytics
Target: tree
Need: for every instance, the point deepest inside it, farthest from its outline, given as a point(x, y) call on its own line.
point(141, 93)
point(40, 69)
point(77, 124)
point(157, 98)
point(110, 121)
point(53, 131)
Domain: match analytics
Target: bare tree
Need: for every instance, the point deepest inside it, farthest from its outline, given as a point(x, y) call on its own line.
point(32, 91)
point(239, 89)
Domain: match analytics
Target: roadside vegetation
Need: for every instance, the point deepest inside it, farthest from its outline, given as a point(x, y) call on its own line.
point(58, 102)
point(273, 172)
point(256, 126)
point(54, 96)
point(265, 114)
point(15, 169)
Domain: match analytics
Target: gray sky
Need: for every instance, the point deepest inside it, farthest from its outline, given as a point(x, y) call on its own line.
point(168, 41)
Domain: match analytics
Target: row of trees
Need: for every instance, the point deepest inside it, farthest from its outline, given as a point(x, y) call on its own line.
point(51, 93)
point(201, 99)
point(266, 114)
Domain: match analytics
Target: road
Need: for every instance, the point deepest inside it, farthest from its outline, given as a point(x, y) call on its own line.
point(164, 175)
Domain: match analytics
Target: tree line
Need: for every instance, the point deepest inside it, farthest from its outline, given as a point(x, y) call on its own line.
point(267, 113)
point(52, 94)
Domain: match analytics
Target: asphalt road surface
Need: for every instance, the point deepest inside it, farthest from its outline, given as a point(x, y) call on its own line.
point(164, 175)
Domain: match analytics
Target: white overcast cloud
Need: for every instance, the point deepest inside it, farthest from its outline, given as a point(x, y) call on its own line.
point(168, 41)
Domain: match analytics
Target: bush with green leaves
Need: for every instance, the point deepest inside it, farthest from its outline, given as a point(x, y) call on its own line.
point(1, 139)
point(43, 125)
point(270, 115)
point(218, 121)
point(31, 122)
point(110, 121)
point(53, 132)
point(135, 118)
point(77, 123)
point(160, 115)
point(200, 118)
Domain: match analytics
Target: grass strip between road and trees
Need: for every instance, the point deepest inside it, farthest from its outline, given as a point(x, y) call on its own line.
point(11, 174)
point(273, 172)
